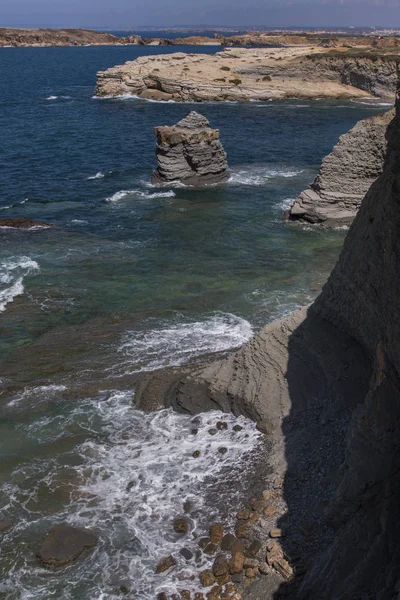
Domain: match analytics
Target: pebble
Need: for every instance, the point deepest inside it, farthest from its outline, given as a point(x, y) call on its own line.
point(251, 573)
point(210, 549)
point(254, 548)
point(207, 578)
point(220, 566)
point(216, 533)
point(241, 530)
point(185, 595)
point(196, 454)
point(278, 483)
point(227, 542)
point(187, 506)
point(251, 563)
point(222, 450)
point(283, 567)
point(198, 596)
point(270, 511)
point(222, 425)
point(187, 554)
point(194, 431)
point(236, 563)
point(165, 564)
point(237, 428)
point(181, 525)
point(162, 596)
point(214, 593)
point(275, 533)
point(237, 577)
point(243, 515)
point(213, 431)
point(264, 569)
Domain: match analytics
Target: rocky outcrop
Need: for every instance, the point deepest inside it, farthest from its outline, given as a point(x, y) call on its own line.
point(235, 75)
point(64, 544)
point(190, 152)
point(58, 37)
point(327, 382)
point(22, 223)
point(345, 175)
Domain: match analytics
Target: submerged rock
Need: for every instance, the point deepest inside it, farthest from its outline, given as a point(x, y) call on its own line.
point(190, 152)
point(64, 544)
point(22, 223)
point(345, 175)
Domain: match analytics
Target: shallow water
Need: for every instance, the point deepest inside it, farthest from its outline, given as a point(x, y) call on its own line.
point(134, 278)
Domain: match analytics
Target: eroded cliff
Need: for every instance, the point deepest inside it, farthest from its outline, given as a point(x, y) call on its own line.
point(326, 383)
point(346, 175)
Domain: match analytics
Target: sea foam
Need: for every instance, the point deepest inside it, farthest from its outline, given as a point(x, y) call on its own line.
point(12, 275)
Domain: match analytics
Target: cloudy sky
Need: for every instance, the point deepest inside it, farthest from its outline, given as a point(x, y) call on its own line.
point(129, 14)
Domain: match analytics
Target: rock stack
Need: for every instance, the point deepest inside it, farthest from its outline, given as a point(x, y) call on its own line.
point(190, 152)
point(345, 175)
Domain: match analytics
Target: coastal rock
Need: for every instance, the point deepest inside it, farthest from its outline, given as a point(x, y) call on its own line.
point(64, 544)
point(22, 223)
point(346, 175)
point(190, 152)
point(242, 75)
point(165, 564)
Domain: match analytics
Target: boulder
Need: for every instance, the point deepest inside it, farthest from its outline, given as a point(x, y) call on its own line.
point(190, 152)
point(64, 544)
point(22, 223)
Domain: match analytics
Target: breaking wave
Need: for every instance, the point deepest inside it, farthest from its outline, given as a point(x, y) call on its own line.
point(139, 194)
point(259, 175)
point(12, 275)
point(98, 175)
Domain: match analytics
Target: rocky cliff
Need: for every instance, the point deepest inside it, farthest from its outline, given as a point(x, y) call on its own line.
point(234, 74)
point(345, 175)
point(326, 383)
point(57, 37)
point(190, 152)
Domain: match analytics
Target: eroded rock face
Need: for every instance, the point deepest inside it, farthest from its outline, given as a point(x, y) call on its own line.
point(64, 544)
point(190, 152)
point(346, 175)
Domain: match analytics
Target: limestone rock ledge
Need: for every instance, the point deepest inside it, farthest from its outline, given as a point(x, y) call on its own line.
point(190, 152)
point(346, 175)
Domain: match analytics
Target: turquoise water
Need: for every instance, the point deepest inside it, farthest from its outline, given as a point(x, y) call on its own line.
point(133, 278)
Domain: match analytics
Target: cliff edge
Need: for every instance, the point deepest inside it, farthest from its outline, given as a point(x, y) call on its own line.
point(326, 384)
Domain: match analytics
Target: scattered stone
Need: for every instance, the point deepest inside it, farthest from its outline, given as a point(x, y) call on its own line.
point(251, 573)
point(230, 588)
point(251, 563)
point(196, 454)
point(187, 554)
point(265, 427)
point(283, 567)
point(181, 525)
point(254, 548)
point(207, 578)
point(203, 542)
point(236, 563)
point(187, 506)
point(258, 505)
point(264, 569)
point(222, 426)
point(241, 530)
point(198, 596)
point(185, 595)
point(220, 566)
point(165, 564)
point(214, 594)
point(275, 533)
point(237, 546)
point(216, 533)
point(5, 525)
point(268, 494)
point(237, 428)
point(190, 152)
point(213, 431)
point(243, 515)
point(64, 544)
point(270, 511)
point(237, 577)
point(194, 431)
point(227, 542)
point(222, 450)
point(274, 553)
point(223, 579)
point(124, 589)
point(162, 596)
point(211, 549)
point(278, 483)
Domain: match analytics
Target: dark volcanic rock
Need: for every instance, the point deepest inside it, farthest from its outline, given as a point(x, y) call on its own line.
point(21, 223)
point(65, 544)
point(190, 152)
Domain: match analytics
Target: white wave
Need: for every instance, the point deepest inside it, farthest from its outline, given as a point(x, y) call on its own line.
point(36, 394)
point(128, 481)
point(12, 274)
point(98, 175)
point(58, 97)
point(79, 221)
point(254, 175)
point(285, 204)
point(139, 194)
point(178, 342)
point(134, 97)
point(52, 98)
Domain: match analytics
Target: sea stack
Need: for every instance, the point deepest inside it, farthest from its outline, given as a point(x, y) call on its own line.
point(190, 152)
point(346, 175)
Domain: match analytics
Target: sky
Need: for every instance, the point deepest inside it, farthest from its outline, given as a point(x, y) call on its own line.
point(131, 14)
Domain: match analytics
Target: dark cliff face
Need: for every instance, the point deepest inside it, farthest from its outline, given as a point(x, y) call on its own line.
point(362, 297)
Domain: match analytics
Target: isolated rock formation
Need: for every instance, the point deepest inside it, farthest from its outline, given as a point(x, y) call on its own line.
point(327, 380)
point(23, 223)
point(190, 152)
point(345, 175)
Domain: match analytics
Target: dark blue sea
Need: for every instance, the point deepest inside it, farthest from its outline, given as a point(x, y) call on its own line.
point(133, 278)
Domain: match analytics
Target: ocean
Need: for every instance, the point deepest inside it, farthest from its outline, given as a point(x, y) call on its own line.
point(134, 278)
